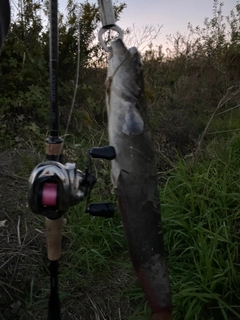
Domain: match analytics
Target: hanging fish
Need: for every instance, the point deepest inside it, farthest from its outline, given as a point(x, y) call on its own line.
point(134, 175)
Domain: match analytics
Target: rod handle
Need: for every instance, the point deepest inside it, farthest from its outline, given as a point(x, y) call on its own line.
point(54, 230)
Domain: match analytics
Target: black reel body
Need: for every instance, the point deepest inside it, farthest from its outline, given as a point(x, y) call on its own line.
point(54, 187)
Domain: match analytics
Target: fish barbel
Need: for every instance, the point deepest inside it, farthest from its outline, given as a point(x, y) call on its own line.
point(134, 174)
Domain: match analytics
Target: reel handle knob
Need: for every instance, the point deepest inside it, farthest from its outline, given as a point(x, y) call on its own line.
point(104, 210)
point(107, 153)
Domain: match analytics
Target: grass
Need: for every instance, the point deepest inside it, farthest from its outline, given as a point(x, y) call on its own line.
point(94, 241)
point(201, 208)
point(200, 205)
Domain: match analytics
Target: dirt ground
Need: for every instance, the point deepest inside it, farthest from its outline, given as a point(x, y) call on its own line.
point(22, 238)
point(24, 276)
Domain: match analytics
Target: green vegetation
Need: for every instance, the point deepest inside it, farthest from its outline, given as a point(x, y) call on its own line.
point(193, 93)
point(200, 207)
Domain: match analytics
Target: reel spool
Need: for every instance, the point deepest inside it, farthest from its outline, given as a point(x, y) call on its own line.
point(53, 188)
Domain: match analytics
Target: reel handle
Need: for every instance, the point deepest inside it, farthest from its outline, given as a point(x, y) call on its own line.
point(104, 210)
point(107, 153)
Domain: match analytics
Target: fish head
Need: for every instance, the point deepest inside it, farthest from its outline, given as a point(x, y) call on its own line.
point(125, 85)
point(128, 129)
point(121, 58)
point(126, 104)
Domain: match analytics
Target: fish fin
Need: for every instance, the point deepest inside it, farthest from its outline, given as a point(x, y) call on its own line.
point(115, 173)
point(133, 122)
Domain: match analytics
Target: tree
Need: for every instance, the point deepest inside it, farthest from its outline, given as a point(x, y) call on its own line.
point(24, 66)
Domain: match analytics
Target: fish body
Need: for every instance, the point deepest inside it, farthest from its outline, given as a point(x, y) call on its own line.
point(134, 174)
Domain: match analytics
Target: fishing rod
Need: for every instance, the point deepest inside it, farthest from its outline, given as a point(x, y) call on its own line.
point(54, 187)
point(5, 17)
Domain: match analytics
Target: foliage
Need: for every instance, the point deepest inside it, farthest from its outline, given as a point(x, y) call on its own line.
point(187, 89)
point(24, 67)
point(200, 211)
point(200, 215)
point(200, 206)
point(187, 81)
point(185, 84)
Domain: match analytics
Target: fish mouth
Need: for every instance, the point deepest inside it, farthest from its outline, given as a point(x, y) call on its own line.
point(118, 48)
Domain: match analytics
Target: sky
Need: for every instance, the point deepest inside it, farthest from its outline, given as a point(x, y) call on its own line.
point(172, 15)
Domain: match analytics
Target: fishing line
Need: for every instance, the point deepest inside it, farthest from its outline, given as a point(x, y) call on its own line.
point(76, 86)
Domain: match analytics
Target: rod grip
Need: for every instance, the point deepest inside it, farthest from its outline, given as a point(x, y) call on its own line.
point(54, 230)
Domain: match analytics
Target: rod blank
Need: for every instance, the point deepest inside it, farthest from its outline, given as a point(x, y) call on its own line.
point(54, 115)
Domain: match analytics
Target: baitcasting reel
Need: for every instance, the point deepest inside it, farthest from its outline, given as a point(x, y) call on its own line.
point(54, 187)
